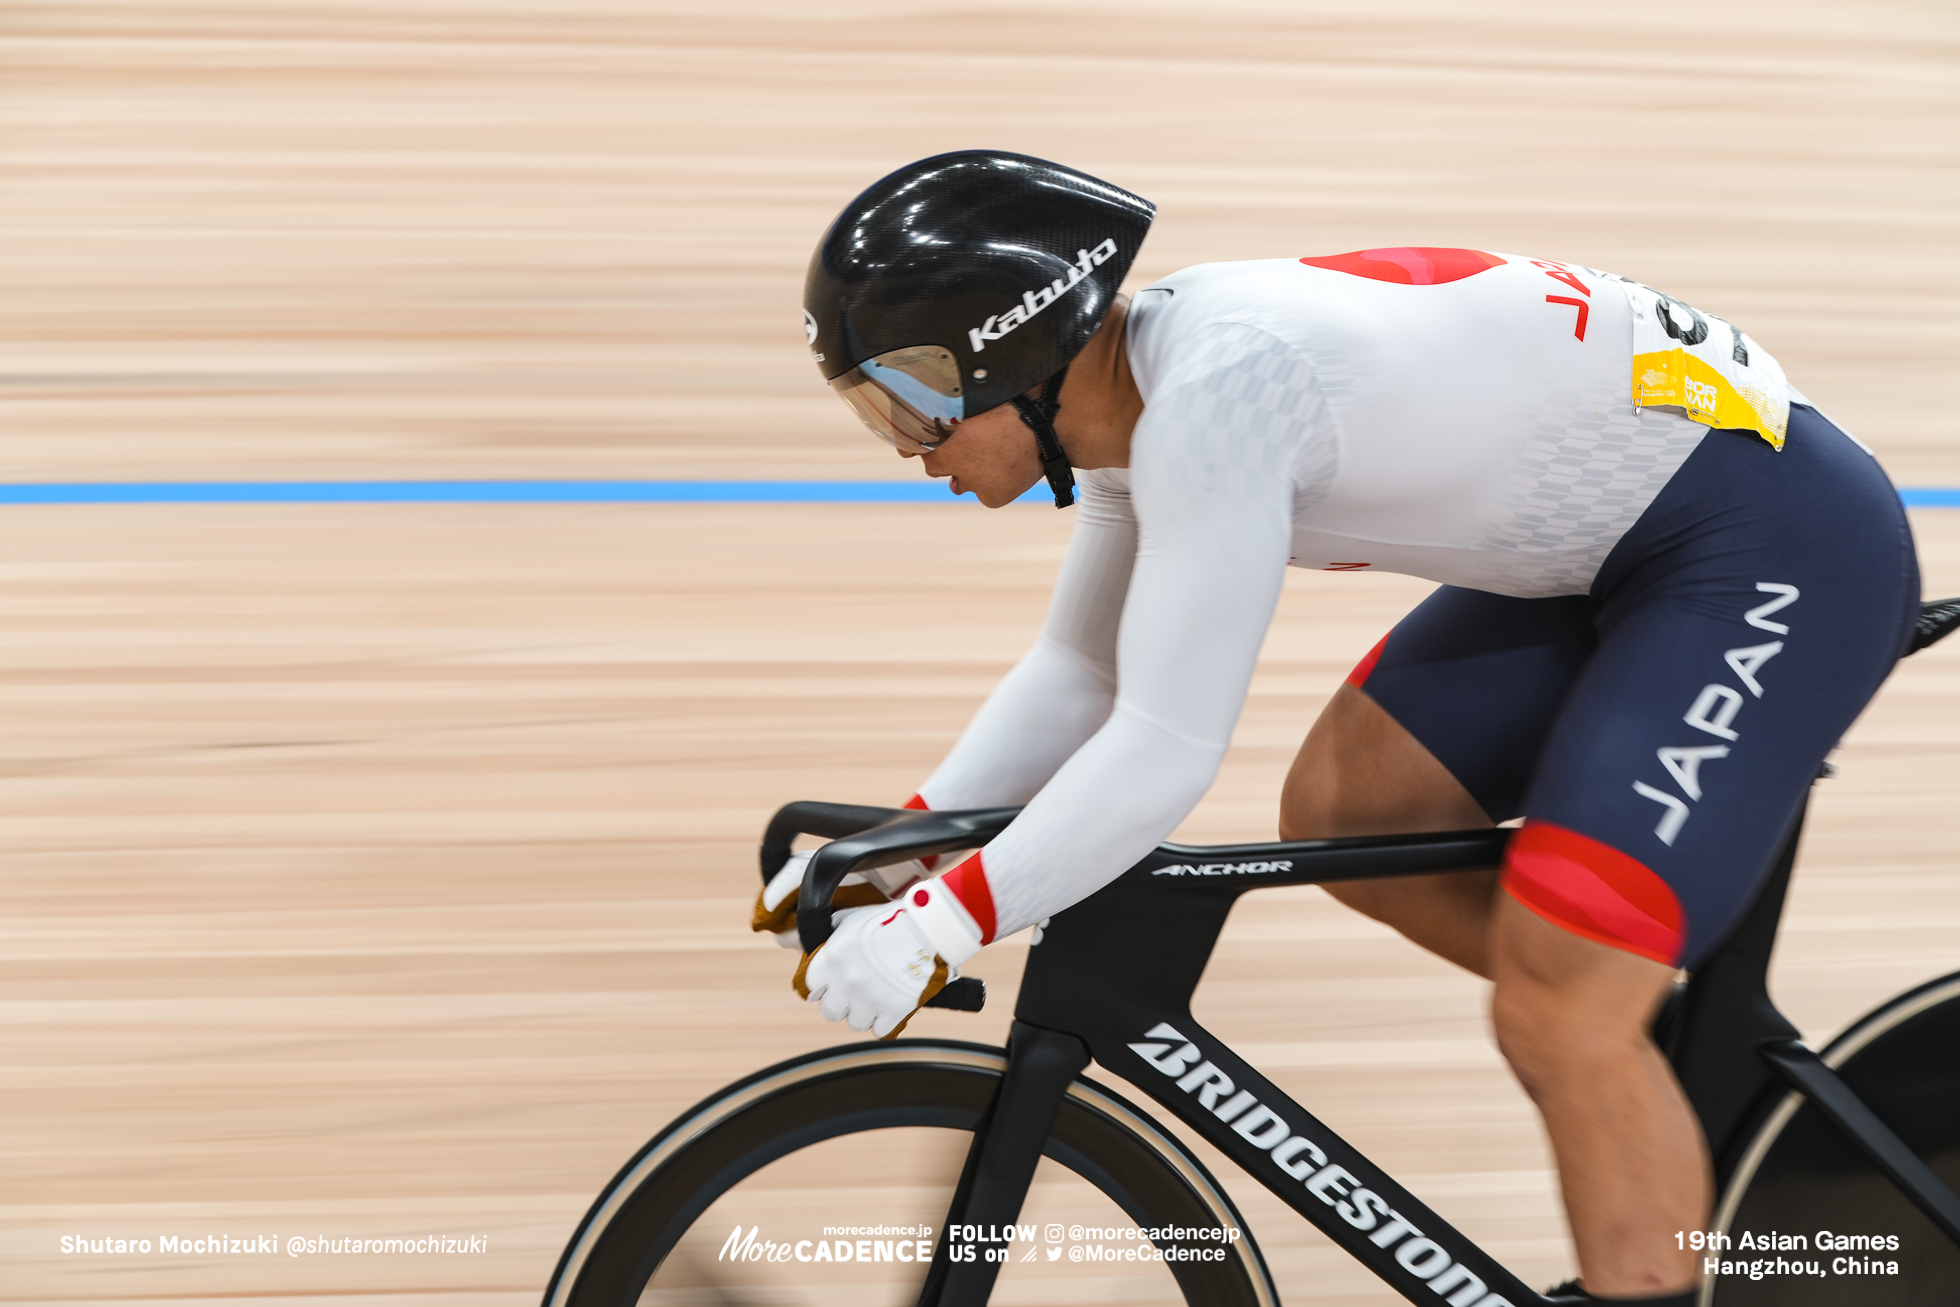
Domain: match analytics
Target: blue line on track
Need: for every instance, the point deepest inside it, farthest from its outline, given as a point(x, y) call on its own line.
point(483, 492)
point(564, 492)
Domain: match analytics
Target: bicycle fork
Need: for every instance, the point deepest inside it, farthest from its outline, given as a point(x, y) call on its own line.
point(1000, 1165)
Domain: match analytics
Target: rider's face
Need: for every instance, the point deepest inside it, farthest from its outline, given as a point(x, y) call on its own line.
point(992, 455)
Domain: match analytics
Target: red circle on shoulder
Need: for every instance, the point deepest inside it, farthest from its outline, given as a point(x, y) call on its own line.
point(1409, 265)
point(921, 898)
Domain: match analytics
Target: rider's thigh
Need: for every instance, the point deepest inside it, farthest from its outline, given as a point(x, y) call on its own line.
point(1745, 621)
point(1457, 696)
point(1467, 685)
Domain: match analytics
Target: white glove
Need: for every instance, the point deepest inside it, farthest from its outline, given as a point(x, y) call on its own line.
point(882, 963)
point(775, 907)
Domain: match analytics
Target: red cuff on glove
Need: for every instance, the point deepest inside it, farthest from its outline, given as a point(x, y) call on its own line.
point(968, 881)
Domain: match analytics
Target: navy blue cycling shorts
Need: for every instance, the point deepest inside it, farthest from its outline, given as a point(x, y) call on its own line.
point(1659, 733)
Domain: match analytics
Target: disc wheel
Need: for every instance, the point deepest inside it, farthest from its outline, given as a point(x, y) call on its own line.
point(742, 1199)
point(1801, 1178)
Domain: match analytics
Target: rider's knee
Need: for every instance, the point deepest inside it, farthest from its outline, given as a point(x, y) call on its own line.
point(1321, 799)
point(1360, 772)
point(1554, 1036)
point(1377, 899)
point(1340, 788)
point(1300, 818)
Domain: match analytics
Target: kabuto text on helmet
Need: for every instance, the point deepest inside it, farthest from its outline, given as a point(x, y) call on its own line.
point(962, 281)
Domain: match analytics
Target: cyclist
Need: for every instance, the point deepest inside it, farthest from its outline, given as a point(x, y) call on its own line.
point(1668, 585)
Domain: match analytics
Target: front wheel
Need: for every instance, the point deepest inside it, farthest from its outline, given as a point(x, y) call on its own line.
point(1810, 1217)
point(774, 1190)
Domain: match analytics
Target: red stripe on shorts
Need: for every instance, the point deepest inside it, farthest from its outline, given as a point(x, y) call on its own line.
point(1366, 667)
point(1593, 890)
point(968, 881)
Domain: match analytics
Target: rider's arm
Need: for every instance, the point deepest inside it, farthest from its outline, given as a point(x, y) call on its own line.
point(1042, 711)
point(1213, 473)
point(1057, 696)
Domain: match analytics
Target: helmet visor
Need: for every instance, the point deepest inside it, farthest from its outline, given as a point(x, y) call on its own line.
point(910, 398)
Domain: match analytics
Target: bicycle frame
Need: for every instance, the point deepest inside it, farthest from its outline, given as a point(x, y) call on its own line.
point(1112, 979)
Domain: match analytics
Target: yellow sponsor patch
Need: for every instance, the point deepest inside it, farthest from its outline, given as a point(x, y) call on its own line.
point(1705, 367)
point(1676, 377)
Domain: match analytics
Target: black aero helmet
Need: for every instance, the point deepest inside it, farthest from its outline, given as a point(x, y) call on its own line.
point(959, 283)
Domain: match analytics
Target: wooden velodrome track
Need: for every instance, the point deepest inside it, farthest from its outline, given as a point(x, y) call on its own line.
point(382, 871)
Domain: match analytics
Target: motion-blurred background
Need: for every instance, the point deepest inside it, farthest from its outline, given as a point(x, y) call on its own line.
point(383, 869)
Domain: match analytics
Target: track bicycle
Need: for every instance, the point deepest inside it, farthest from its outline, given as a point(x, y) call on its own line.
point(1860, 1141)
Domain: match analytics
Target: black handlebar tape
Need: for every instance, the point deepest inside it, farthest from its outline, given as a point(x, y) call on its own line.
point(829, 820)
point(907, 833)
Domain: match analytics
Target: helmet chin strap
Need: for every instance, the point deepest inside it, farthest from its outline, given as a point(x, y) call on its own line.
point(1039, 414)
